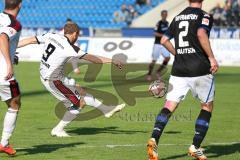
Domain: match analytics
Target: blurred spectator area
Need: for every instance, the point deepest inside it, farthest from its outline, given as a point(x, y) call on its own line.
point(128, 12)
point(227, 15)
point(87, 13)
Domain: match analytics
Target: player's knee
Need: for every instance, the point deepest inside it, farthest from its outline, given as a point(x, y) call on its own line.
point(167, 59)
point(15, 103)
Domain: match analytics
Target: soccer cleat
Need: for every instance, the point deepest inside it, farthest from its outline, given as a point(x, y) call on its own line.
point(196, 153)
point(57, 133)
point(115, 110)
point(152, 149)
point(8, 150)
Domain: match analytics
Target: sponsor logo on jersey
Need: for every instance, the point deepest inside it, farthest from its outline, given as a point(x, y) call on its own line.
point(205, 21)
point(186, 17)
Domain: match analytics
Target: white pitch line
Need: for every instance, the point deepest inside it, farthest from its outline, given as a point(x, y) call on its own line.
point(130, 145)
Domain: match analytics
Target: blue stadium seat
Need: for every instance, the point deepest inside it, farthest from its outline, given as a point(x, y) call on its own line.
point(94, 13)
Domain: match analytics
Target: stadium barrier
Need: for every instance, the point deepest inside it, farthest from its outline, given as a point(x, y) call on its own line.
point(138, 50)
point(223, 33)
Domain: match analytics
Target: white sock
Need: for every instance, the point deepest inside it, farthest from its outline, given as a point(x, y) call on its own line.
point(91, 101)
point(68, 117)
point(9, 125)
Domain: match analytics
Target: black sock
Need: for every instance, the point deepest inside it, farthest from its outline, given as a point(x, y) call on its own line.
point(161, 122)
point(151, 66)
point(201, 127)
point(163, 66)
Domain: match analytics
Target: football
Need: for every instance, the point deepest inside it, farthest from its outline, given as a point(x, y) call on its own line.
point(158, 89)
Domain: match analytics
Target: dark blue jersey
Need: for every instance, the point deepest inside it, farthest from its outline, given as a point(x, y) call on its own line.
point(190, 60)
point(161, 27)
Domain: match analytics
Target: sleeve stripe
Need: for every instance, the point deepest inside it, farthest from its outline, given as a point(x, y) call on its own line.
point(204, 27)
point(83, 56)
point(37, 40)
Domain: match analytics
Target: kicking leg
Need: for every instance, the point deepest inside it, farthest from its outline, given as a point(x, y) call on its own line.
point(108, 111)
point(161, 122)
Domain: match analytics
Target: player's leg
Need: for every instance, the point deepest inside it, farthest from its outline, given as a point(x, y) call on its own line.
point(90, 100)
point(155, 56)
point(72, 100)
point(11, 95)
point(161, 122)
point(71, 114)
point(178, 90)
point(163, 67)
point(65, 95)
point(204, 91)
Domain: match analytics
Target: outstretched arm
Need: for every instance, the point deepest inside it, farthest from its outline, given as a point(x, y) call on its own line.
point(27, 41)
point(98, 59)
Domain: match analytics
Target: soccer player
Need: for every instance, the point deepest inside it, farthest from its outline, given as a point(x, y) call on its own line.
point(10, 30)
point(161, 28)
point(73, 61)
point(57, 50)
point(193, 69)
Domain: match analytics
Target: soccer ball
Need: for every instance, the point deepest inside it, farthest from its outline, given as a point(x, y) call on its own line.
point(158, 89)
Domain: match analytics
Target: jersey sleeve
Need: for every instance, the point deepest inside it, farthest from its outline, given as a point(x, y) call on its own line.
point(41, 38)
point(77, 52)
point(9, 31)
point(206, 22)
point(170, 32)
point(157, 28)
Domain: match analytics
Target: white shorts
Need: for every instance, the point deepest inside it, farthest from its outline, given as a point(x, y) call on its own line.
point(9, 89)
point(159, 50)
point(65, 91)
point(202, 88)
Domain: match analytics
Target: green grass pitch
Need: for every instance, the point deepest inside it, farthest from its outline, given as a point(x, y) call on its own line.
point(124, 136)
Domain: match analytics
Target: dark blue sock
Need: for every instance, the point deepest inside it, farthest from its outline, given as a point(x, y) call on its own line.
point(161, 122)
point(201, 127)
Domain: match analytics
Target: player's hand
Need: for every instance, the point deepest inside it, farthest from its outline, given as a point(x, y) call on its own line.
point(16, 59)
point(214, 65)
point(9, 72)
point(118, 64)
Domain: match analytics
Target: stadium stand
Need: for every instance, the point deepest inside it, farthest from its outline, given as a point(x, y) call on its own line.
point(229, 15)
point(87, 13)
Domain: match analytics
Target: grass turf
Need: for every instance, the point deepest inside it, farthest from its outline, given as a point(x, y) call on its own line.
point(124, 136)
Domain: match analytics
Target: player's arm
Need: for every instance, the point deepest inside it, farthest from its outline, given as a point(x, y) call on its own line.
point(204, 28)
point(5, 50)
point(165, 41)
point(157, 34)
point(101, 60)
point(27, 41)
point(205, 43)
point(94, 59)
